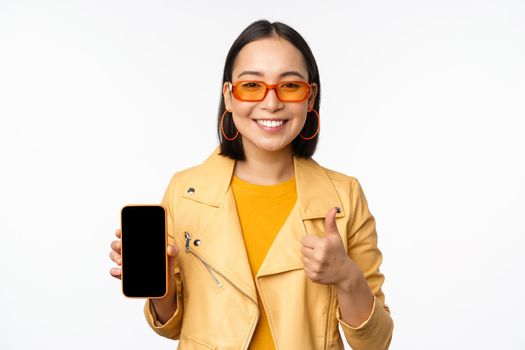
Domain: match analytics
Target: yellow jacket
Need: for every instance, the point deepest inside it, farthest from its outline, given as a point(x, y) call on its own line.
point(216, 300)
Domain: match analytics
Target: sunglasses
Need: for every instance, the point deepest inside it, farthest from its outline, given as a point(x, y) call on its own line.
point(255, 91)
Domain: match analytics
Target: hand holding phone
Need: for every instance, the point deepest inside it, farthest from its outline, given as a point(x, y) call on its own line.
point(143, 251)
point(164, 306)
point(160, 303)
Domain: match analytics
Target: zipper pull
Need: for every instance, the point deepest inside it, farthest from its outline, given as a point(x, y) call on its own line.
point(187, 237)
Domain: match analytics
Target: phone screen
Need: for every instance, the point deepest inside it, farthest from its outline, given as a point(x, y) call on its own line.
point(144, 260)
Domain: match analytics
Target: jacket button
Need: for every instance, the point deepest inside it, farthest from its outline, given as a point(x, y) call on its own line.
point(197, 242)
point(191, 190)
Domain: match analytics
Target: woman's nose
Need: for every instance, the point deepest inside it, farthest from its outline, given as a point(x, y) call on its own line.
point(271, 101)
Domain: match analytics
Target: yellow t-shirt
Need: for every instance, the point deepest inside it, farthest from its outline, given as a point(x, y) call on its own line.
point(262, 211)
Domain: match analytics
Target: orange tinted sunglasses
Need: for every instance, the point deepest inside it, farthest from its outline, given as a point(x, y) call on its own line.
point(255, 91)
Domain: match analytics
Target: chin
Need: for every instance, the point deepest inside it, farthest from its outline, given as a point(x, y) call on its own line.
point(273, 147)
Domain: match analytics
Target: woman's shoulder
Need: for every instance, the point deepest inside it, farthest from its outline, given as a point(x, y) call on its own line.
point(213, 167)
point(182, 175)
point(348, 187)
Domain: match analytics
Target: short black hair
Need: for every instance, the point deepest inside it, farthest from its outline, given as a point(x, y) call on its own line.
point(258, 30)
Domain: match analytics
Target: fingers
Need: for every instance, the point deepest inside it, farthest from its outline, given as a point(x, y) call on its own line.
point(116, 257)
point(308, 252)
point(116, 272)
point(116, 246)
point(310, 241)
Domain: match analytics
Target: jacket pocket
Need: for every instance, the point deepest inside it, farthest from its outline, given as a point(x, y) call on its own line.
point(187, 342)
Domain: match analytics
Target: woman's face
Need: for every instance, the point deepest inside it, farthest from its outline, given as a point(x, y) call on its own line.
point(271, 60)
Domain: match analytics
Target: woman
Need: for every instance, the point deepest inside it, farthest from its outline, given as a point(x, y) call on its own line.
point(268, 249)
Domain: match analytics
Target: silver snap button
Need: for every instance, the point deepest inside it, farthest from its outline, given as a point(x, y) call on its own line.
point(197, 242)
point(191, 190)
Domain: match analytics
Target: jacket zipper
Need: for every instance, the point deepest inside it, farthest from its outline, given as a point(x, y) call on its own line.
point(217, 282)
point(327, 320)
point(187, 237)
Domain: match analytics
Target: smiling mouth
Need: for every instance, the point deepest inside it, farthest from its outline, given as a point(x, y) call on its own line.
point(271, 123)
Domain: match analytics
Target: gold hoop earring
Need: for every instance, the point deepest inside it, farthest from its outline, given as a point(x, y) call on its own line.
point(222, 128)
point(318, 127)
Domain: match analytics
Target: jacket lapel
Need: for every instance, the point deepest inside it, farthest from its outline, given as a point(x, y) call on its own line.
point(222, 243)
point(315, 196)
point(221, 240)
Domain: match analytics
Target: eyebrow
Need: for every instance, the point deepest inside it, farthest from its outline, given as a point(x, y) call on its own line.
point(282, 75)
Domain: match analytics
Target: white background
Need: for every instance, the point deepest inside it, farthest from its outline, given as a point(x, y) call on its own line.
point(422, 101)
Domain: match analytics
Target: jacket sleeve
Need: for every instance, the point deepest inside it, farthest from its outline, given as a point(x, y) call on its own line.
point(376, 331)
point(172, 328)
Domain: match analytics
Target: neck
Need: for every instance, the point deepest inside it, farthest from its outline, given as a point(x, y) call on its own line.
point(265, 167)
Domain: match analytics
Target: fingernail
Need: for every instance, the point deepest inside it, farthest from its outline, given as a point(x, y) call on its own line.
point(337, 209)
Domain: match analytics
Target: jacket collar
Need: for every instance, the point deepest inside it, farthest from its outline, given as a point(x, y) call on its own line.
point(315, 192)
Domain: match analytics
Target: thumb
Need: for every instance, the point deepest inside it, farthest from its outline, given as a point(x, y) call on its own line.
point(330, 227)
point(172, 251)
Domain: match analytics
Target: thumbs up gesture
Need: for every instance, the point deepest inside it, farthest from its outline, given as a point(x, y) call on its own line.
point(325, 258)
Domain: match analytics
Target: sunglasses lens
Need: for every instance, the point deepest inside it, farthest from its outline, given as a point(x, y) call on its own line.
point(292, 91)
point(250, 91)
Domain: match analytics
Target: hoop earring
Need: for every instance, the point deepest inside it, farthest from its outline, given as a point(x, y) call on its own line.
point(222, 128)
point(318, 127)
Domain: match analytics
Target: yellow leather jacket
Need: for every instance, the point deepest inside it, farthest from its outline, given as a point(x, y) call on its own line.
point(216, 301)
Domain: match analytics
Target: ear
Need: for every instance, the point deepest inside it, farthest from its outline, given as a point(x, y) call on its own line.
point(313, 95)
point(227, 95)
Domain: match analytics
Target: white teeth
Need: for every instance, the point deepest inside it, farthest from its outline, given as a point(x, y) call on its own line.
point(270, 123)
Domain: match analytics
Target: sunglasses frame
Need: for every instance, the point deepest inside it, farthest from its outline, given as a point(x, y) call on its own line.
point(233, 89)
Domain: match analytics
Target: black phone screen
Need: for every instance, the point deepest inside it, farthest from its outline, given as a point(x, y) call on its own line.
point(144, 261)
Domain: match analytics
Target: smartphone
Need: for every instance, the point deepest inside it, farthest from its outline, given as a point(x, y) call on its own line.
point(144, 257)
